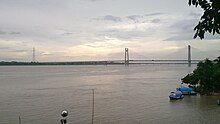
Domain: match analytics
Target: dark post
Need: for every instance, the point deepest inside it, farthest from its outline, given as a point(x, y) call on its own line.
point(189, 55)
point(93, 104)
point(19, 119)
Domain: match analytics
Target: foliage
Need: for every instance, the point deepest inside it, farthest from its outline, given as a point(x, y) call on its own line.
point(206, 76)
point(210, 20)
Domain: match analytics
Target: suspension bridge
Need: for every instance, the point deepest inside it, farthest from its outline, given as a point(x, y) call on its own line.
point(186, 53)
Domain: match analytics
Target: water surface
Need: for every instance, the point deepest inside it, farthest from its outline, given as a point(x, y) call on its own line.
point(123, 95)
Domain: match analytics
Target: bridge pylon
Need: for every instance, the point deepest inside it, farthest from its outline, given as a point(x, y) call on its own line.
point(126, 57)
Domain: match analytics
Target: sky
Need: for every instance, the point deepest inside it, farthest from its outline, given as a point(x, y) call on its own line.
point(79, 30)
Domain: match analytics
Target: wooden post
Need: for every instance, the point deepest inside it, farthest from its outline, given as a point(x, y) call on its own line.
point(19, 119)
point(93, 104)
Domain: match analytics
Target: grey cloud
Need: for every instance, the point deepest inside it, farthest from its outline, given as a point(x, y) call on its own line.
point(127, 35)
point(189, 36)
point(180, 37)
point(67, 33)
point(14, 33)
point(112, 18)
point(2, 32)
point(134, 34)
point(183, 26)
point(4, 48)
point(183, 30)
point(19, 51)
point(152, 17)
point(135, 18)
point(9, 33)
point(155, 20)
point(195, 14)
point(10, 49)
point(154, 14)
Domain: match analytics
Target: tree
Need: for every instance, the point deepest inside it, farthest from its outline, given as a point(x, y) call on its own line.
point(210, 20)
point(206, 77)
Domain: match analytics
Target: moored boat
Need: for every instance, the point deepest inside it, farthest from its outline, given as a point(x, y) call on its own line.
point(186, 91)
point(176, 95)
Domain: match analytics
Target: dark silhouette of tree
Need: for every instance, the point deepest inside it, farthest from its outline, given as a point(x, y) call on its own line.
point(210, 20)
point(206, 76)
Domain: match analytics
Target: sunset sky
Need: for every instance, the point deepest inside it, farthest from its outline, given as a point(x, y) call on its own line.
point(71, 30)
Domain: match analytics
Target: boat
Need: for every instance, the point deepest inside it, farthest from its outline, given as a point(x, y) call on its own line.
point(176, 95)
point(186, 91)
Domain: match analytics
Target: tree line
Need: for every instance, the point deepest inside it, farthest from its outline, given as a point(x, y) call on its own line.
point(206, 77)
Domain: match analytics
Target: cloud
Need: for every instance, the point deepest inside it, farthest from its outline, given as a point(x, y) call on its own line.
point(19, 51)
point(135, 18)
point(180, 37)
point(14, 33)
point(154, 14)
point(4, 48)
point(155, 20)
point(133, 27)
point(184, 30)
point(2, 32)
point(110, 18)
point(195, 14)
point(98, 49)
point(63, 30)
point(151, 17)
point(9, 33)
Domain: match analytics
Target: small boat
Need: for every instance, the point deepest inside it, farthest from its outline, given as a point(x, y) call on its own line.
point(186, 91)
point(176, 95)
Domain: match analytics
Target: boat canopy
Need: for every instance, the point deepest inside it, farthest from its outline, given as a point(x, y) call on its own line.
point(184, 89)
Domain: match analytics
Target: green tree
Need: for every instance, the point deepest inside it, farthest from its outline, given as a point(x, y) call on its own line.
point(206, 76)
point(210, 20)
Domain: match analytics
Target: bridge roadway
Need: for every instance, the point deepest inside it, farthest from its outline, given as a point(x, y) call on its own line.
point(108, 62)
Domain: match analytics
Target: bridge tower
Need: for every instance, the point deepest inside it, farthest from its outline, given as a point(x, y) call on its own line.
point(126, 57)
point(189, 55)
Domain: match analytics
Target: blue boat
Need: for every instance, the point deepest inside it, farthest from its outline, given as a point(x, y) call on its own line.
point(176, 95)
point(186, 91)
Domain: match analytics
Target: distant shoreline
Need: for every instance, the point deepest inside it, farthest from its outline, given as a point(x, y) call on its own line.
point(14, 63)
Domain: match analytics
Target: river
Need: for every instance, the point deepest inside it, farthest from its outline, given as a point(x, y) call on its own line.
point(137, 94)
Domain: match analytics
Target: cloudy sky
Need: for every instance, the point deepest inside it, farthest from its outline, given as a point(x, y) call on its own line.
point(70, 30)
